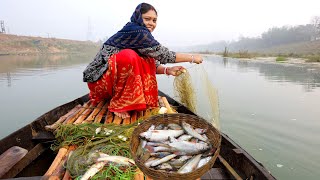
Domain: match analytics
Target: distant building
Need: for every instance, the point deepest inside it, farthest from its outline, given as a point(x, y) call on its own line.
point(2, 29)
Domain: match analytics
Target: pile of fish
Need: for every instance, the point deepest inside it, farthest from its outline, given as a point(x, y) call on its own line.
point(175, 148)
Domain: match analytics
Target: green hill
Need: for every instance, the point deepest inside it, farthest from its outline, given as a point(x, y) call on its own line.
point(26, 45)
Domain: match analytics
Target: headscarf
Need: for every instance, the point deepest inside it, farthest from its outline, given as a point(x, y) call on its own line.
point(134, 35)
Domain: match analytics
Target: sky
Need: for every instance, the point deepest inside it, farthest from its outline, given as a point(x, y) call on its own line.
point(180, 22)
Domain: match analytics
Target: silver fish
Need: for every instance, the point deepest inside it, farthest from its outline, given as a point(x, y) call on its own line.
point(164, 166)
point(145, 155)
point(116, 159)
point(205, 136)
point(140, 148)
point(185, 137)
point(189, 129)
point(160, 154)
point(186, 147)
point(174, 126)
point(177, 163)
point(159, 127)
point(190, 165)
point(94, 169)
point(163, 144)
point(152, 149)
point(209, 152)
point(164, 159)
point(150, 161)
point(203, 161)
point(160, 135)
point(200, 131)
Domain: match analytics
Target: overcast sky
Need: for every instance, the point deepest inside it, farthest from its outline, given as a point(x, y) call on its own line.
point(180, 22)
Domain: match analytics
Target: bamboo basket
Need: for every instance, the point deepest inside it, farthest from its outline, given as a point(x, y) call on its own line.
point(197, 122)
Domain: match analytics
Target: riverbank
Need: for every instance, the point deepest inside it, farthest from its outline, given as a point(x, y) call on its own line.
point(27, 45)
point(273, 59)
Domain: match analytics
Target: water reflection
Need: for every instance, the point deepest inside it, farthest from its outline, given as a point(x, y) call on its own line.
point(305, 75)
point(14, 67)
point(9, 79)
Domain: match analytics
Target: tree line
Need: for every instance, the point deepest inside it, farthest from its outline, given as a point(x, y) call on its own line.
point(273, 37)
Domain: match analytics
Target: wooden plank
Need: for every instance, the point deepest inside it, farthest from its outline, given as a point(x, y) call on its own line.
point(161, 104)
point(134, 117)
point(147, 113)
point(63, 118)
point(229, 168)
point(216, 173)
point(126, 121)
point(33, 154)
point(96, 110)
point(83, 116)
point(60, 170)
point(72, 115)
point(78, 113)
point(117, 120)
point(167, 105)
point(109, 118)
point(67, 176)
point(10, 157)
point(138, 175)
point(101, 113)
point(61, 154)
point(139, 115)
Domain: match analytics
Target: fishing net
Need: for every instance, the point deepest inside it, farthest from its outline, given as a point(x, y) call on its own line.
point(92, 139)
point(184, 90)
point(195, 90)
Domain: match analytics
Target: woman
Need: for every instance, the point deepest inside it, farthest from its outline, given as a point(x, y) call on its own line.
point(125, 68)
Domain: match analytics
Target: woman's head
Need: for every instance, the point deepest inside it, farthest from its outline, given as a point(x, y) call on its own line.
point(145, 15)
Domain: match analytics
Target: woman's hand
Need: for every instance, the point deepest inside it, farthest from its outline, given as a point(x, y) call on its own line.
point(197, 58)
point(191, 58)
point(175, 70)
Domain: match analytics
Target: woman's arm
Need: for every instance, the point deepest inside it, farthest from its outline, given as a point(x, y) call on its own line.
point(173, 71)
point(192, 58)
point(164, 55)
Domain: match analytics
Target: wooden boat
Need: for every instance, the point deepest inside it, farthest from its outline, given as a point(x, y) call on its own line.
point(233, 162)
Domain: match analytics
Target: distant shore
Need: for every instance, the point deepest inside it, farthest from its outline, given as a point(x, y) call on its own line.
point(28, 45)
point(289, 60)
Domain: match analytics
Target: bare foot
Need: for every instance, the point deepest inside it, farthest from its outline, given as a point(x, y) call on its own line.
point(122, 115)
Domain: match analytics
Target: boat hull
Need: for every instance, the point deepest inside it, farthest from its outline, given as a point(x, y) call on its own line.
point(36, 140)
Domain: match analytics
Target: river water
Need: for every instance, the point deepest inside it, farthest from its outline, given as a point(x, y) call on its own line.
point(270, 109)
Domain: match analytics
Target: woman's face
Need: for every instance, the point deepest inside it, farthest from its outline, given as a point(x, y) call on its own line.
point(150, 20)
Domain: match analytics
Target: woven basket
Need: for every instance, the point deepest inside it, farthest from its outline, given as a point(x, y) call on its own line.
point(197, 122)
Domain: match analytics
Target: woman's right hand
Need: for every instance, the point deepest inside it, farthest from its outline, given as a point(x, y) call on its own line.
point(197, 58)
point(191, 58)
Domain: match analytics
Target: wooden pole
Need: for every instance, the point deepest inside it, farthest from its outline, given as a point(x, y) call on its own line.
point(101, 113)
point(108, 118)
point(96, 110)
point(84, 115)
point(61, 154)
point(146, 114)
point(134, 117)
point(229, 168)
point(60, 170)
point(161, 104)
point(138, 175)
point(167, 105)
point(67, 176)
point(62, 119)
point(117, 120)
point(79, 112)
